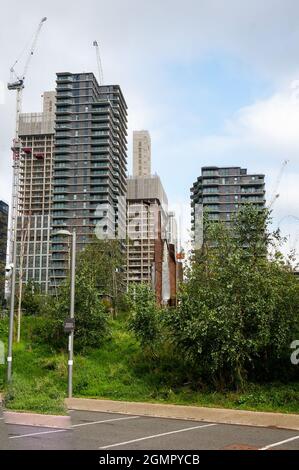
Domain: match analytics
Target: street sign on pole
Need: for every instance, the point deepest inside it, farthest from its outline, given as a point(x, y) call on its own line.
point(69, 325)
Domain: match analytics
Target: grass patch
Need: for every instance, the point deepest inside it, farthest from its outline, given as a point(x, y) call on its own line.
point(119, 371)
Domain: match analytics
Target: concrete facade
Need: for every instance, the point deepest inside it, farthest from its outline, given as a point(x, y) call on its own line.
point(3, 247)
point(149, 252)
point(36, 133)
point(90, 165)
point(141, 153)
point(220, 192)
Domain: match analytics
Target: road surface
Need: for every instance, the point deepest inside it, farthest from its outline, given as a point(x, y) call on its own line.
point(105, 431)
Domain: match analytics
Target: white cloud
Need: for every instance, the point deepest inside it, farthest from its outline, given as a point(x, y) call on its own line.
point(272, 123)
point(138, 39)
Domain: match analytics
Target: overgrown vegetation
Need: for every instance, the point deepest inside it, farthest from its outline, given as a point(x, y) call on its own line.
point(227, 343)
point(144, 321)
point(238, 310)
point(98, 290)
point(119, 370)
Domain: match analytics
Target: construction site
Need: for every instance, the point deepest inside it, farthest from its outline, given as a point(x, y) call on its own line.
point(69, 173)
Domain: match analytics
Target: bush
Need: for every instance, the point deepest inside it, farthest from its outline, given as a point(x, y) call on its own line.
point(144, 320)
point(91, 318)
point(239, 309)
point(47, 330)
point(32, 299)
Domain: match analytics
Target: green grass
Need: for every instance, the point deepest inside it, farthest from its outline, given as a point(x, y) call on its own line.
point(118, 371)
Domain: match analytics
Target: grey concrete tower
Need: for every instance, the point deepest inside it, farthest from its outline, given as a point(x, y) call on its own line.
point(220, 192)
point(3, 246)
point(89, 183)
point(141, 153)
point(36, 131)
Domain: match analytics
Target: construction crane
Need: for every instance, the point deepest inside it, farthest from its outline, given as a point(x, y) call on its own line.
point(100, 69)
point(275, 194)
point(17, 83)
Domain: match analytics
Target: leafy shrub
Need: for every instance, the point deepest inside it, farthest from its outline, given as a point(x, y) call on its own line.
point(91, 319)
point(239, 309)
point(144, 320)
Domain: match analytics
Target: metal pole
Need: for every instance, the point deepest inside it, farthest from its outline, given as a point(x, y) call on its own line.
point(11, 316)
point(72, 315)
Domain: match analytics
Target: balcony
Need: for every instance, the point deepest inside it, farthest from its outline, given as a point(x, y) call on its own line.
point(60, 190)
point(62, 85)
point(61, 134)
point(65, 101)
point(61, 109)
point(252, 190)
point(59, 175)
point(63, 94)
point(64, 78)
point(62, 151)
point(62, 142)
point(60, 182)
point(63, 118)
point(209, 182)
point(63, 126)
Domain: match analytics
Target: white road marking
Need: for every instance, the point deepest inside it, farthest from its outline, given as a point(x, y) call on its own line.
point(74, 426)
point(104, 421)
point(158, 435)
point(280, 443)
point(37, 433)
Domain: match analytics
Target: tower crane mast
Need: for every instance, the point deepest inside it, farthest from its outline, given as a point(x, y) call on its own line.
point(275, 194)
point(99, 62)
point(17, 83)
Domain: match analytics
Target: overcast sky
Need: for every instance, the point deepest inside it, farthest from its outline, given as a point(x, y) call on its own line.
point(216, 82)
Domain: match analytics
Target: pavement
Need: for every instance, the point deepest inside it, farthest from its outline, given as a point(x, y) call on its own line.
point(104, 431)
point(214, 415)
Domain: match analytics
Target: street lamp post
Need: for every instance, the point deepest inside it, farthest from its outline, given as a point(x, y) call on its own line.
point(72, 309)
point(11, 269)
point(72, 316)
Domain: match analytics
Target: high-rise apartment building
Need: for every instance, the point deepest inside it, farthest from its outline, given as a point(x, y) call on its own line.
point(220, 192)
point(35, 160)
point(3, 247)
point(150, 255)
point(141, 153)
point(89, 183)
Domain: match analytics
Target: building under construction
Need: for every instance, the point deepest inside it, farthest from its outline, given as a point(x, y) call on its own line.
point(3, 246)
point(36, 135)
point(151, 258)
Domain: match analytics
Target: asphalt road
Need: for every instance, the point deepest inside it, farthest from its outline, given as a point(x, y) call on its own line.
point(3, 432)
point(104, 431)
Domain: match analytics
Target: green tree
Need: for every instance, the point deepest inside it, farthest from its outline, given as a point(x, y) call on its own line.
point(31, 299)
point(91, 319)
point(239, 308)
point(103, 262)
point(144, 318)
